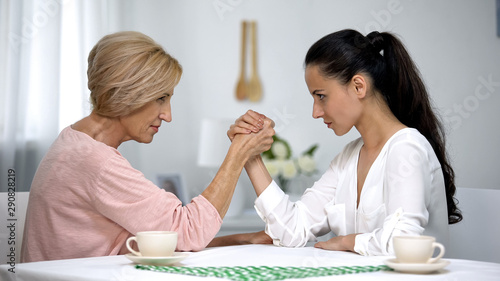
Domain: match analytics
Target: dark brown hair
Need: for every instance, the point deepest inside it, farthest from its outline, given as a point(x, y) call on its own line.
point(383, 57)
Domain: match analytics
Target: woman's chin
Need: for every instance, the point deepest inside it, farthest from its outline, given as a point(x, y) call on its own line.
point(145, 140)
point(340, 132)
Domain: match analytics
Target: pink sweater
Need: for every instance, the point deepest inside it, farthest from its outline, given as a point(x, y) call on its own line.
point(86, 200)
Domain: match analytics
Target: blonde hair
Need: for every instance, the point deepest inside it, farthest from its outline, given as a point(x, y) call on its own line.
point(127, 70)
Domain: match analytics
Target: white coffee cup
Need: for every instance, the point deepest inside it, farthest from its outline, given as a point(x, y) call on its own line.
point(154, 243)
point(416, 249)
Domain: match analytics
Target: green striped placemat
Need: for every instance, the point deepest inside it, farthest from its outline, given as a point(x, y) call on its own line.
point(261, 273)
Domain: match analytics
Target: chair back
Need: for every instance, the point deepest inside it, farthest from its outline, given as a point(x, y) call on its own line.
point(477, 236)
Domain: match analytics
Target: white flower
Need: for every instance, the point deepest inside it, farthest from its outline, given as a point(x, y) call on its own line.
point(307, 164)
point(279, 150)
point(272, 167)
point(289, 169)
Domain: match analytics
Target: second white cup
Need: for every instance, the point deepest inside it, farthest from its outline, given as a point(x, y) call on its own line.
point(416, 249)
point(154, 243)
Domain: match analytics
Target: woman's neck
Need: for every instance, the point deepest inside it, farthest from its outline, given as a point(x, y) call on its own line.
point(377, 125)
point(104, 129)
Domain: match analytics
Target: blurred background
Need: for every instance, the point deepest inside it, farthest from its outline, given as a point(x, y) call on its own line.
point(44, 46)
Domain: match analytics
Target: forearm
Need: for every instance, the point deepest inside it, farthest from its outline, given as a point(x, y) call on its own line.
point(259, 237)
point(243, 146)
point(220, 191)
point(339, 243)
point(258, 174)
point(230, 240)
point(348, 242)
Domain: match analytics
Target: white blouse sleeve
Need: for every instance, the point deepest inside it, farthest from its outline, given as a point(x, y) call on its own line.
point(293, 224)
point(407, 184)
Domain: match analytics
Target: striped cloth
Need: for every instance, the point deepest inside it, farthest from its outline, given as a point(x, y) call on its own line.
point(262, 273)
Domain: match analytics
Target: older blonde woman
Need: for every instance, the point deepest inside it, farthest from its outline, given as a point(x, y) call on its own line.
point(86, 199)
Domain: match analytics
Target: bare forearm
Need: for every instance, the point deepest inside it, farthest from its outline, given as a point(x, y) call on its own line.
point(220, 191)
point(243, 146)
point(339, 243)
point(258, 174)
point(230, 240)
point(259, 237)
point(348, 242)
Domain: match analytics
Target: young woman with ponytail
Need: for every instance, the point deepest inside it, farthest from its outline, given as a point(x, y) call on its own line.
point(394, 180)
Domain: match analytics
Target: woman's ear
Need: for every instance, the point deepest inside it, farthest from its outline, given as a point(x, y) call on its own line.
point(359, 84)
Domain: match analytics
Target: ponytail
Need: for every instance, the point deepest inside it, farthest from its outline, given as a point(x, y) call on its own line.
point(383, 57)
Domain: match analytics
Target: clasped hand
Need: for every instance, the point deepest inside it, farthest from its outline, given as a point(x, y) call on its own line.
point(255, 130)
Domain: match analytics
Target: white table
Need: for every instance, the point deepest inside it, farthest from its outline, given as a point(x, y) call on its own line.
point(120, 268)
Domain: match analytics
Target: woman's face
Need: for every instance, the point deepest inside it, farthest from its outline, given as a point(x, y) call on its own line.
point(337, 104)
point(144, 123)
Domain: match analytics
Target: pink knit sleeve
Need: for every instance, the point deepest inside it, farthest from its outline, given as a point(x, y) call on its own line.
point(126, 197)
point(201, 219)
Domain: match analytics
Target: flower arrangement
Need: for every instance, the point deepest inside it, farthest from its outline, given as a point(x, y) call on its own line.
point(283, 167)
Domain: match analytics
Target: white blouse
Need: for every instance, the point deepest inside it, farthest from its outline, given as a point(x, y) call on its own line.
point(403, 194)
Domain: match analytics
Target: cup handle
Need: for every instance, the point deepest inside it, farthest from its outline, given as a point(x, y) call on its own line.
point(441, 252)
point(130, 248)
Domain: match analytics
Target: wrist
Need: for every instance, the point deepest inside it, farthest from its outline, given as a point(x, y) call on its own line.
point(348, 242)
point(238, 154)
point(253, 159)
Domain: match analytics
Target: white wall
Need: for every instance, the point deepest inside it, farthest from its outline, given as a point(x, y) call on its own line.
point(454, 43)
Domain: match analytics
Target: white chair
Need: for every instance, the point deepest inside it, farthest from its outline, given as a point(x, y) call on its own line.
point(477, 236)
point(21, 204)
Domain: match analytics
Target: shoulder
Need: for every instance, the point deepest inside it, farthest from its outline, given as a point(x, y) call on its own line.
point(80, 151)
point(82, 144)
point(411, 144)
point(409, 137)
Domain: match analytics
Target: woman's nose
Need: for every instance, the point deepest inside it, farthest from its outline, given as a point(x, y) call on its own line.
point(166, 113)
point(317, 111)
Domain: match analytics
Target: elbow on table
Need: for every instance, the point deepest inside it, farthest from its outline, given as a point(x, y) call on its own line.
point(194, 240)
point(196, 247)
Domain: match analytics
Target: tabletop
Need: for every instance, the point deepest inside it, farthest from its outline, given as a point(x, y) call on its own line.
point(121, 268)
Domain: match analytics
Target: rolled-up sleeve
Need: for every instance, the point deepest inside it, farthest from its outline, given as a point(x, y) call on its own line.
point(126, 197)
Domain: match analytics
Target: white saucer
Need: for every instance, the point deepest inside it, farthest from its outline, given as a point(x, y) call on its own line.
point(176, 257)
point(416, 267)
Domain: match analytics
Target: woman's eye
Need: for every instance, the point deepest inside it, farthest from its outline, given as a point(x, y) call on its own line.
point(163, 98)
point(321, 97)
